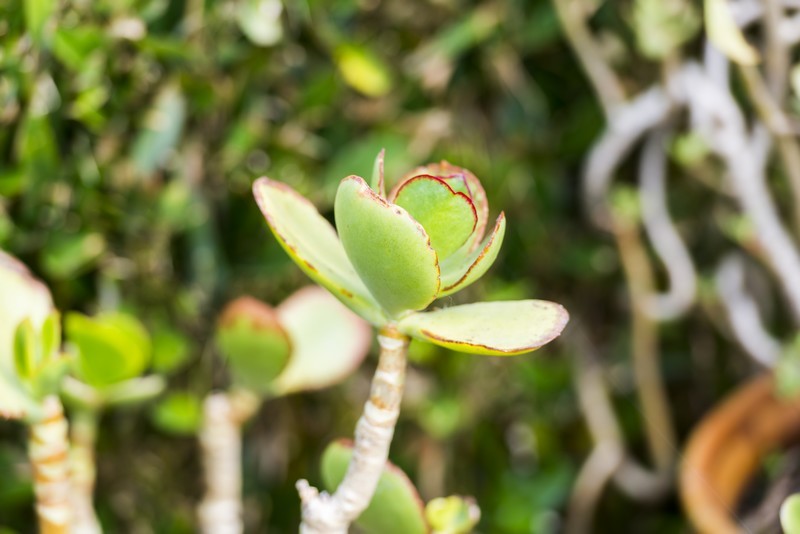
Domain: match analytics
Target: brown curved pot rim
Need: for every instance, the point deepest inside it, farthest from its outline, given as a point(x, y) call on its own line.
point(726, 448)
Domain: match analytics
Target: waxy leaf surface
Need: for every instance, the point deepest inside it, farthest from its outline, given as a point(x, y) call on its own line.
point(448, 217)
point(491, 328)
point(396, 507)
point(328, 341)
point(459, 271)
point(390, 250)
point(312, 243)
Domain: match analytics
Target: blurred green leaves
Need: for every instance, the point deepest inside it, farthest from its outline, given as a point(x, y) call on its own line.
point(161, 130)
point(110, 347)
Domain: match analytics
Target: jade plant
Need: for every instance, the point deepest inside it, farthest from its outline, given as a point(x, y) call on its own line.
point(107, 355)
point(31, 367)
point(309, 341)
point(393, 255)
point(111, 353)
point(790, 514)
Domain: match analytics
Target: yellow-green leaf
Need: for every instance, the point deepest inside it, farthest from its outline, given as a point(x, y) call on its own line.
point(723, 31)
point(458, 272)
point(312, 243)
point(363, 70)
point(492, 328)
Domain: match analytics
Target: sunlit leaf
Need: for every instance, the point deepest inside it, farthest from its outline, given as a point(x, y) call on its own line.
point(491, 328)
point(363, 70)
point(396, 507)
point(260, 20)
point(38, 13)
point(389, 250)
point(25, 350)
point(790, 514)
point(312, 243)
point(21, 297)
point(452, 515)
point(328, 340)
point(723, 31)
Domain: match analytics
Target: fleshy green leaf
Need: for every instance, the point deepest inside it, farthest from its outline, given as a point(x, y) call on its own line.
point(723, 31)
point(790, 514)
point(111, 347)
point(253, 342)
point(377, 182)
point(396, 507)
point(51, 335)
point(329, 341)
point(389, 249)
point(452, 515)
point(458, 272)
point(449, 218)
point(21, 297)
point(312, 243)
point(491, 328)
point(178, 413)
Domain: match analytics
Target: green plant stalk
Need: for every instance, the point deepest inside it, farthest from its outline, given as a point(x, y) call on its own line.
point(647, 374)
point(47, 450)
point(220, 511)
point(83, 436)
point(332, 514)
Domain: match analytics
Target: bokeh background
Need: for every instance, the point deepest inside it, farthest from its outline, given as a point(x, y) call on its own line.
point(131, 131)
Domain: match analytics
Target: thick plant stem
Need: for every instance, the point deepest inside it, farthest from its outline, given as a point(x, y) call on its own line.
point(83, 434)
point(220, 512)
point(48, 449)
point(332, 514)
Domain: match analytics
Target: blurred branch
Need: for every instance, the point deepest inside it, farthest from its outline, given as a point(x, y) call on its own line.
point(644, 346)
point(743, 314)
point(626, 125)
point(604, 80)
point(716, 115)
point(666, 240)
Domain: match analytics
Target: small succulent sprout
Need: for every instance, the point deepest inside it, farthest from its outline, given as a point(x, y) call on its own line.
point(395, 254)
point(310, 341)
point(452, 515)
point(29, 341)
point(112, 352)
point(396, 507)
point(254, 343)
point(790, 514)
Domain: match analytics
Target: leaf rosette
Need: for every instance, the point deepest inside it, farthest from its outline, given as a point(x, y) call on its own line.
point(396, 253)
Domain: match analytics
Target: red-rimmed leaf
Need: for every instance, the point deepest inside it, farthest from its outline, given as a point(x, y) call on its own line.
point(459, 271)
point(490, 328)
point(449, 217)
point(390, 251)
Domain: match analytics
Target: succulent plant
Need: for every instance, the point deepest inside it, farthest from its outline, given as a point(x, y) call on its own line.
point(395, 254)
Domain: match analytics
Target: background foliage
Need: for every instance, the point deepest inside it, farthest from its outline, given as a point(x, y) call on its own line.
point(130, 132)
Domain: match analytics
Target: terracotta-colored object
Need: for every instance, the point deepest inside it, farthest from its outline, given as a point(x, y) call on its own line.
point(726, 449)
